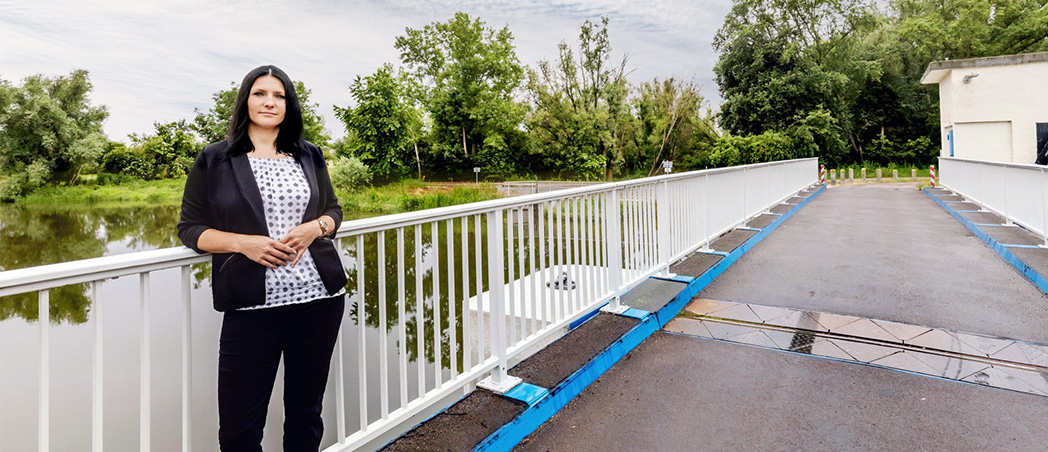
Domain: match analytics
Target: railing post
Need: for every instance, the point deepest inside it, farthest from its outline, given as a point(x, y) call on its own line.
point(768, 196)
point(662, 222)
point(97, 369)
point(745, 197)
point(1007, 201)
point(1044, 213)
point(44, 317)
point(706, 209)
point(145, 376)
point(499, 381)
point(614, 243)
point(340, 384)
point(187, 358)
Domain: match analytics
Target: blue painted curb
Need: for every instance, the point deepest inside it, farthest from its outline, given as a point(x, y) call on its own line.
point(550, 402)
point(635, 313)
point(674, 278)
point(1002, 250)
point(683, 279)
point(527, 393)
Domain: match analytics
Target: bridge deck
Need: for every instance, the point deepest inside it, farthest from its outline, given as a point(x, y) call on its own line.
point(885, 252)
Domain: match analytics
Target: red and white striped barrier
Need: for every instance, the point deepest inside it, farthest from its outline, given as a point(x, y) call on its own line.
point(822, 174)
point(931, 170)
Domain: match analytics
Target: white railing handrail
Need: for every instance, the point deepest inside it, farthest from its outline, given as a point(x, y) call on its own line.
point(372, 224)
point(31, 279)
point(1029, 166)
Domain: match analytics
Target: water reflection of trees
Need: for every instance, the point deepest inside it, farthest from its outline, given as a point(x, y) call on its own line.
point(390, 268)
point(435, 257)
point(33, 237)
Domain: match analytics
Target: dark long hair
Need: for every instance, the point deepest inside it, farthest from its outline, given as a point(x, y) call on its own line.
point(289, 138)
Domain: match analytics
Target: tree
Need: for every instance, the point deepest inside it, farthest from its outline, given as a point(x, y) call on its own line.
point(468, 74)
point(312, 123)
point(213, 125)
point(955, 29)
point(782, 60)
point(578, 104)
point(382, 122)
point(672, 125)
point(50, 131)
point(167, 153)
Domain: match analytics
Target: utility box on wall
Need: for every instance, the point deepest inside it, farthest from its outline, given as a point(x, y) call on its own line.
point(991, 108)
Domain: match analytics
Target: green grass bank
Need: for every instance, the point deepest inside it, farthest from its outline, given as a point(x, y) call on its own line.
point(397, 197)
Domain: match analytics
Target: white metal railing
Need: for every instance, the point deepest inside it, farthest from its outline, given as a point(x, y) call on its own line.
point(1017, 192)
point(463, 289)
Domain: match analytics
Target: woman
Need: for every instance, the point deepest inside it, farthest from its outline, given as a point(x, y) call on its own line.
point(263, 204)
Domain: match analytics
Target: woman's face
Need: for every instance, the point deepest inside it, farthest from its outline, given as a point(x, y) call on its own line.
point(265, 103)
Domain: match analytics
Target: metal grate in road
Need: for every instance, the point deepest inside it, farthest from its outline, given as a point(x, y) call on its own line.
point(990, 361)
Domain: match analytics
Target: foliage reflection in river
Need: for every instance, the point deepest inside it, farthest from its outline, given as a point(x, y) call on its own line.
point(32, 237)
point(436, 301)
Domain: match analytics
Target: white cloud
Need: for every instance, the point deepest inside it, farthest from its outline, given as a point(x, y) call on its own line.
point(158, 61)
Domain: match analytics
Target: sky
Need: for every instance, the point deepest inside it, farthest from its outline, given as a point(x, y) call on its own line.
point(158, 61)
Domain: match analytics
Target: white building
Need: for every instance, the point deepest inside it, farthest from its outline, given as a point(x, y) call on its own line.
point(992, 108)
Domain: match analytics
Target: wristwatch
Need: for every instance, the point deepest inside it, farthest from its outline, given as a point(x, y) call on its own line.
point(323, 226)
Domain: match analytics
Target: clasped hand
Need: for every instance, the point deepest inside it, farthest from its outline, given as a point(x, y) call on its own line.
point(275, 253)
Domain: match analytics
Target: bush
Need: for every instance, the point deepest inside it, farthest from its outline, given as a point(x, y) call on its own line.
point(349, 173)
point(919, 151)
point(817, 135)
point(766, 147)
point(923, 151)
point(23, 182)
point(118, 159)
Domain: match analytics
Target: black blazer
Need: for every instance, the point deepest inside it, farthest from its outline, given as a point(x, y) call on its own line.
point(221, 193)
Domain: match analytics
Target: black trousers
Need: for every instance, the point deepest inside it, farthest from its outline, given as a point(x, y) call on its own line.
point(250, 349)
